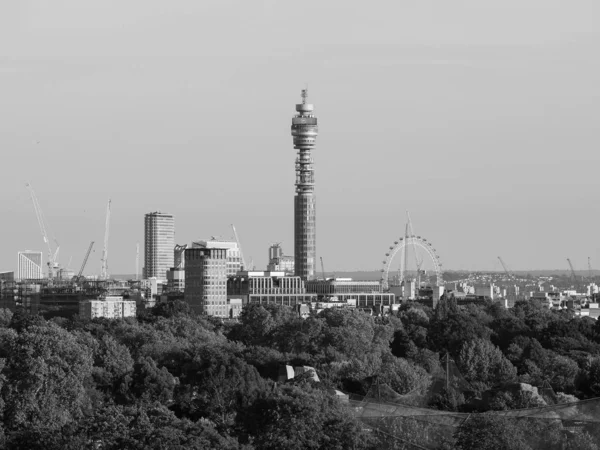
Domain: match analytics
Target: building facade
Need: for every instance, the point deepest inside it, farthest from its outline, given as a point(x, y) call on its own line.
point(29, 265)
point(206, 280)
point(367, 294)
point(234, 257)
point(304, 132)
point(268, 287)
point(278, 262)
point(159, 242)
point(109, 307)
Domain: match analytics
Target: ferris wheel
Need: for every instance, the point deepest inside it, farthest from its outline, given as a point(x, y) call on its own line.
point(404, 243)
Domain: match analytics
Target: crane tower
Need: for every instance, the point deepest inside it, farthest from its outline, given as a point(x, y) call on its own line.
point(52, 256)
point(104, 268)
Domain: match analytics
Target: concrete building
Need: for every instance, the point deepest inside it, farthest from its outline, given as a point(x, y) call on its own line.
point(7, 277)
point(234, 257)
point(366, 294)
point(268, 287)
point(206, 280)
point(109, 307)
point(275, 251)
point(304, 132)
point(485, 290)
point(178, 256)
point(29, 265)
point(159, 242)
point(176, 274)
point(176, 280)
point(235, 307)
point(282, 264)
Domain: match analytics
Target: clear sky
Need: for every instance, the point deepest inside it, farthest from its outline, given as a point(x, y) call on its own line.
point(480, 117)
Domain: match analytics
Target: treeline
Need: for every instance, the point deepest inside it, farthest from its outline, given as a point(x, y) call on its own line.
point(171, 379)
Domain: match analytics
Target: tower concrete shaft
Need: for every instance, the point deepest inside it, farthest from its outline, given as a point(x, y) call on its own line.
point(304, 131)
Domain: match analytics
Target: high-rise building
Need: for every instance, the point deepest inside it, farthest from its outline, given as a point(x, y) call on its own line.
point(234, 258)
point(159, 242)
point(304, 132)
point(206, 280)
point(29, 265)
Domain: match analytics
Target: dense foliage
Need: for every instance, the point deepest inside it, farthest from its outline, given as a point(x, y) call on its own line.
point(171, 379)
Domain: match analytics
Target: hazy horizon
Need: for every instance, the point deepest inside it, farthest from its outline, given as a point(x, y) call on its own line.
point(480, 119)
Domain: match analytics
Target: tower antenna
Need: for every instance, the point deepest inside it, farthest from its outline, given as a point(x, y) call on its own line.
point(304, 133)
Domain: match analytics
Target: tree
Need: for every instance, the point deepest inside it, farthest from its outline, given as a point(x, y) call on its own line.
point(298, 418)
point(214, 384)
point(488, 432)
point(480, 361)
point(45, 378)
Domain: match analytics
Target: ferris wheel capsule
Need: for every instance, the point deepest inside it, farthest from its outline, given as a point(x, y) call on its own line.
point(387, 254)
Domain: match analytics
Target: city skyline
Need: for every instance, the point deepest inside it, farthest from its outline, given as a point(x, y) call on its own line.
point(492, 147)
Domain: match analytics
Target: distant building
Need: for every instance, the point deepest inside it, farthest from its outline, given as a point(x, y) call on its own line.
point(109, 307)
point(485, 290)
point(206, 280)
point(268, 288)
point(282, 264)
point(176, 280)
point(235, 306)
point(7, 277)
point(275, 251)
point(178, 256)
point(234, 258)
point(29, 265)
point(365, 293)
point(159, 242)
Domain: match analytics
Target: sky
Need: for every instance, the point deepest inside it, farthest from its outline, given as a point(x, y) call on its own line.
point(480, 118)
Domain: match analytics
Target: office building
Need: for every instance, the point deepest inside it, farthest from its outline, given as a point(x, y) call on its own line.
point(275, 251)
point(278, 262)
point(176, 274)
point(367, 294)
point(29, 265)
point(206, 280)
point(111, 307)
point(268, 287)
point(234, 258)
point(304, 132)
point(159, 242)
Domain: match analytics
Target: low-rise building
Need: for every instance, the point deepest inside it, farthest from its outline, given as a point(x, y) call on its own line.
point(364, 293)
point(109, 307)
point(268, 287)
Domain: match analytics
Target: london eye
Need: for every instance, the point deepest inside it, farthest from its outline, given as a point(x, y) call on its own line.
point(422, 248)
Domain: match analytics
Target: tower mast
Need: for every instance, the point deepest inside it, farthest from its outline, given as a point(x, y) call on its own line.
point(304, 132)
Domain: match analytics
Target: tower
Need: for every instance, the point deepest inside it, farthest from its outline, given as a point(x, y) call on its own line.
point(159, 242)
point(304, 131)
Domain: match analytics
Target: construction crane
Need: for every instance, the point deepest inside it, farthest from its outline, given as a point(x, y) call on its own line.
point(237, 239)
point(573, 274)
point(87, 255)
point(137, 261)
point(323, 268)
point(104, 268)
point(52, 256)
point(505, 267)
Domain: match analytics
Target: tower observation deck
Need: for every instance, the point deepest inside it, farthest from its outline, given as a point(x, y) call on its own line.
point(304, 132)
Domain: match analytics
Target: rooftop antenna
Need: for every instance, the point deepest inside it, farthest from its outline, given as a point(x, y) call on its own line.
point(304, 94)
